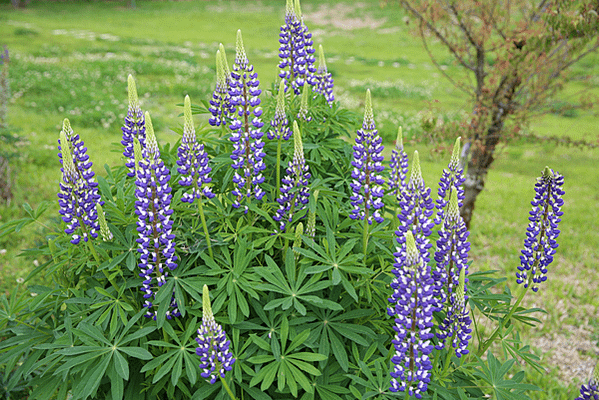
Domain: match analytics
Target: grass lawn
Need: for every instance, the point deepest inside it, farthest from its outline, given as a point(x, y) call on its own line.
point(71, 60)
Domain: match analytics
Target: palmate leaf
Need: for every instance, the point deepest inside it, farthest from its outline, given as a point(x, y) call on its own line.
point(296, 292)
point(493, 374)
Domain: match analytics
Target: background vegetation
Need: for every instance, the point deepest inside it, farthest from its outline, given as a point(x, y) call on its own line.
point(72, 60)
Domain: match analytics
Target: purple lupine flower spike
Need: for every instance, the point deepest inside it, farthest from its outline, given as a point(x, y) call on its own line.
point(308, 50)
point(417, 208)
point(323, 80)
point(220, 106)
point(399, 167)
point(452, 178)
point(590, 391)
point(412, 308)
point(542, 232)
point(246, 135)
point(78, 194)
point(279, 124)
point(290, 49)
point(193, 161)
point(134, 128)
point(294, 189)
point(213, 346)
point(367, 182)
point(450, 278)
point(154, 224)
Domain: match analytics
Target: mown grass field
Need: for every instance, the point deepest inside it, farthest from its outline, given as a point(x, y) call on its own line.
point(72, 60)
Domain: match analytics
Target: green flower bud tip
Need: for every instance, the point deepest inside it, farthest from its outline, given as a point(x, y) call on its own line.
point(299, 231)
point(595, 377)
point(455, 155)
point(66, 128)
point(132, 90)
point(281, 98)
point(137, 152)
point(206, 307)
point(416, 173)
point(412, 253)
point(547, 172)
point(151, 142)
point(240, 56)
point(104, 230)
point(289, 10)
point(67, 158)
point(322, 65)
point(298, 146)
point(368, 113)
point(225, 65)
point(188, 129)
point(304, 100)
point(298, 9)
point(399, 140)
point(454, 209)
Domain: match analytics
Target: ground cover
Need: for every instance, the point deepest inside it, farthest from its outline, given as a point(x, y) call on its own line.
point(72, 60)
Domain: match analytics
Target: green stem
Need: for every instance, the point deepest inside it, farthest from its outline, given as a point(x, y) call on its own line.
point(502, 324)
point(365, 237)
point(97, 258)
point(231, 395)
point(201, 210)
point(448, 358)
point(278, 169)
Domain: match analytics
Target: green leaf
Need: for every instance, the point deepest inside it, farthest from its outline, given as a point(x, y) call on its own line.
point(120, 365)
point(137, 352)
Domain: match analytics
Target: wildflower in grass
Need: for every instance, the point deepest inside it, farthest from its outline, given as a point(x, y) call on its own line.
point(412, 307)
point(279, 124)
point(450, 279)
point(294, 190)
point(452, 178)
point(193, 161)
point(77, 199)
point(220, 106)
point(323, 80)
point(134, 126)
point(590, 391)
point(246, 136)
point(367, 184)
point(295, 50)
point(399, 167)
point(154, 224)
point(542, 232)
point(416, 208)
point(104, 230)
point(213, 345)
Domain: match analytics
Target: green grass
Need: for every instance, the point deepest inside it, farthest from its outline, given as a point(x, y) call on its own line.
point(72, 60)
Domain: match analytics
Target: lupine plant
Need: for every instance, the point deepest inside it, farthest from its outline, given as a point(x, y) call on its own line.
point(293, 295)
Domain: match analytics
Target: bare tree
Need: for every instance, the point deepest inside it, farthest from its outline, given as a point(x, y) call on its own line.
point(514, 55)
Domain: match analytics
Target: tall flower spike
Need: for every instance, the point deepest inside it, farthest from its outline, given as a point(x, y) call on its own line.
point(367, 184)
point(412, 308)
point(246, 135)
point(134, 127)
point(294, 189)
point(220, 106)
point(279, 124)
point(323, 80)
point(452, 179)
point(399, 167)
point(416, 208)
point(78, 194)
point(450, 279)
point(104, 230)
point(193, 161)
point(213, 345)
point(590, 391)
point(542, 232)
point(154, 225)
point(309, 51)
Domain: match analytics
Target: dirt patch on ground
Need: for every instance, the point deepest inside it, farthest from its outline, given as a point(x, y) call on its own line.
point(340, 16)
